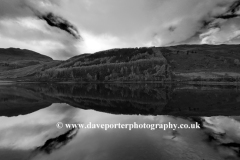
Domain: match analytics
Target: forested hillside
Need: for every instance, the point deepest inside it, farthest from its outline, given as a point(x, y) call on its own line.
point(153, 64)
point(131, 64)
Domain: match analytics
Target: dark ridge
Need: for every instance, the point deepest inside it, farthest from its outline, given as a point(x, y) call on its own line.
point(13, 54)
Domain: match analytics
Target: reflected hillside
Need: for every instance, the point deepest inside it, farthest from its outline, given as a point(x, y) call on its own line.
point(110, 98)
point(15, 100)
point(204, 101)
point(145, 99)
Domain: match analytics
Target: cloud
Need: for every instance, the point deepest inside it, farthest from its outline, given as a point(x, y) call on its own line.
point(227, 31)
point(61, 23)
point(138, 23)
point(109, 24)
point(34, 22)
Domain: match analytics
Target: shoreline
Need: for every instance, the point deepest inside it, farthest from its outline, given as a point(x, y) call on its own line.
point(2, 82)
point(6, 82)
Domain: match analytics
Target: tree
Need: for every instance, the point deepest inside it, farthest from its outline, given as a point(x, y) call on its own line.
point(97, 77)
point(137, 70)
point(236, 61)
point(146, 75)
point(122, 71)
point(106, 78)
point(89, 77)
point(132, 69)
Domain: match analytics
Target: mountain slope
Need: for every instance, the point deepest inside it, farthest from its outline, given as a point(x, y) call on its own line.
point(129, 64)
point(153, 64)
point(203, 61)
point(14, 58)
point(16, 54)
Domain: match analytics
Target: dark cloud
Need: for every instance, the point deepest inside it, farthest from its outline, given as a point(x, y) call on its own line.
point(228, 16)
point(54, 20)
point(53, 28)
point(231, 11)
point(113, 23)
point(58, 142)
point(206, 23)
point(59, 22)
point(172, 28)
point(210, 20)
point(234, 7)
point(214, 25)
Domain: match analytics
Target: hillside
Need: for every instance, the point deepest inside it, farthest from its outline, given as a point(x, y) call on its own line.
point(16, 54)
point(14, 58)
point(129, 64)
point(204, 61)
point(187, 58)
point(153, 64)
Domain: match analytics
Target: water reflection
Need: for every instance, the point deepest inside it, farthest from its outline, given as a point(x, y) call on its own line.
point(32, 133)
point(35, 136)
point(144, 99)
point(58, 142)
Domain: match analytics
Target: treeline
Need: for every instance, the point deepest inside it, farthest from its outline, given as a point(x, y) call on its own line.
point(109, 56)
point(18, 64)
point(139, 70)
point(225, 78)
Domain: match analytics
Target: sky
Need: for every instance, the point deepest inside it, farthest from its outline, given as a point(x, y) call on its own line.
point(65, 28)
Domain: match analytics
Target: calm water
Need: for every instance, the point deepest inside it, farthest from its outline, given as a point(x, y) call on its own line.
point(29, 113)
